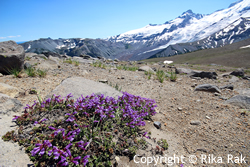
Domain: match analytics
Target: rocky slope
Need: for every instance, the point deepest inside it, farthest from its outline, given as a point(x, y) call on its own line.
point(195, 123)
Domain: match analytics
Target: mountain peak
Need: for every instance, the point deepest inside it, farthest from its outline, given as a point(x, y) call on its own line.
point(232, 4)
point(188, 12)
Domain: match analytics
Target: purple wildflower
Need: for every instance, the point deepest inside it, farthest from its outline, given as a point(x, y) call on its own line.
point(15, 117)
point(85, 160)
point(41, 148)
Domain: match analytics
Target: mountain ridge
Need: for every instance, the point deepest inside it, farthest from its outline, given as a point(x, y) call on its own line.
point(157, 40)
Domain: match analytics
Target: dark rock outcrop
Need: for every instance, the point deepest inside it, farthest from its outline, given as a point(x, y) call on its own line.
point(11, 56)
point(53, 54)
point(207, 88)
point(210, 75)
point(238, 73)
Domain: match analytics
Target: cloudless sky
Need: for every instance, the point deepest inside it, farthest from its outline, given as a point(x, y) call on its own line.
point(24, 20)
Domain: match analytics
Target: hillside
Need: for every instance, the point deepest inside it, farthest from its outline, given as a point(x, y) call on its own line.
point(192, 122)
point(230, 55)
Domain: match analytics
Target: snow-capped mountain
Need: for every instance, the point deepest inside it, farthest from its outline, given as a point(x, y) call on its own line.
point(186, 33)
point(190, 27)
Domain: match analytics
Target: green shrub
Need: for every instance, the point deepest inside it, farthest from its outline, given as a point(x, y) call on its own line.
point(14, 71)
point(173, 76)
point(30, 71)
point(69, 60)
point(160, 75)
point(41, 73)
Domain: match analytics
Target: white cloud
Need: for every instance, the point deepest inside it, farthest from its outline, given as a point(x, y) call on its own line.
point(10, 37)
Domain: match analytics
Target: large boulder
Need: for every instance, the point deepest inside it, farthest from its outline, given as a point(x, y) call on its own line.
point(8, 104)
point(11, 56)
point(80, 86)
point(8, 90)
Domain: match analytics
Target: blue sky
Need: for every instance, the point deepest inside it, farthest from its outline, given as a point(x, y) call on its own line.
point(24, 20)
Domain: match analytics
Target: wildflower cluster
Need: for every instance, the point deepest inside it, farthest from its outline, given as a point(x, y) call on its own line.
point(64, 132)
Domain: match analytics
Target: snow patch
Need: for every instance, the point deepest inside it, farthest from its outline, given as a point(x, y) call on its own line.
point(243, 47)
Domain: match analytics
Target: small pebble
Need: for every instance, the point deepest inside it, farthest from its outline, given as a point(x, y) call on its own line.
point(179, 108)
point(195, 122)
point(157, 124)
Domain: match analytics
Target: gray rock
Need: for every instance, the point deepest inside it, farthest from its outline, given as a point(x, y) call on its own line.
point(238, 72)
point(103, 80)
point(27, 65)
point(202, 74)
point(30, 54)
point(8, 104)
point(8, 90)
point(244, 91)
point(227, 87)
point(146, 68)
point(183, 71)
point(80, 86)
point(116, 60)
point(225, 75)
point(242, 101)
point(42, 56)
point(48, 53)
point(1, 75)
point(82, 61)
point(195, 122)
point(217, 94)
point(11, 56)
point(233, 79)
point(179, 108)
point(207, 88)
point(157, 124)
point(85, 56)
point(55, 59)
point(140, 62)
point(194, 73)
point(246, 77)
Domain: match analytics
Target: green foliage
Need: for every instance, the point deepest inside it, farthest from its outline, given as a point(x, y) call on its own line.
point(41, 73)
point(77, 63)
point(149, 74)
point(8, 136)
point(30, 71)
point(116, 86)
point(173, 76)
point(160, 75)
point(69, 60)
point(222, 70)
point(163, 143)
point(127, 68)
point(27, 58)
point(14, 71)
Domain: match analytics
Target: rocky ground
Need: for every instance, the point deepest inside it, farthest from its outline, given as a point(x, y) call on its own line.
point(195, 123)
